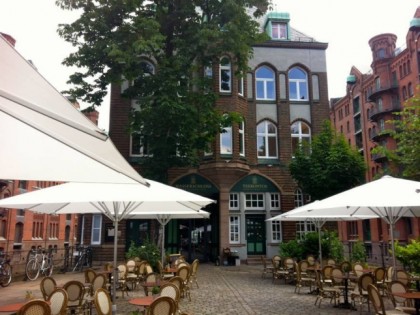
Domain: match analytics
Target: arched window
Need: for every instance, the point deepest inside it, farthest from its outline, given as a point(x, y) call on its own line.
point(301, 135)
point(225, 75)
point(266, 140)
point(265, 84)
point(298, 198)
point(226, 143)
point(298, 85)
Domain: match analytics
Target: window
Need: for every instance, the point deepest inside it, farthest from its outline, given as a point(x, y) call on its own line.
point(278, 30)
point(377, 84)
point(225, 75)
point(274, 201)
point(298, 85)
point(254, 202)
point(410, 90)
point(301, 135)
point(138, 145)
point(234, 229)
point(303, 227)
point(96, 229)
point(298, 198)
point(242, 139)
point(233, 201)
point(241, 85)
point(226, 142)
point(265, 84)
point(3, 229)
point(276, 231)
point(381, 53)
point(18, 233)
point(266, 140)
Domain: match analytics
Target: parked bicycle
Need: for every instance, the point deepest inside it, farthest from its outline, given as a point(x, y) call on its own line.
point(40, 263)
point(5, 270)
point(83, 258)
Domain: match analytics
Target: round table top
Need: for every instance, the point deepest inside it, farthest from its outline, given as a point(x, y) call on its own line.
point(142, 301)
point(11, 307)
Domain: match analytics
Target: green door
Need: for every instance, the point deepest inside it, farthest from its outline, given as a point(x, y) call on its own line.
point(255, 234)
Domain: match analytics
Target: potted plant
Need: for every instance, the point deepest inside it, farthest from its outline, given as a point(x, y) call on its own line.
point(155, 291)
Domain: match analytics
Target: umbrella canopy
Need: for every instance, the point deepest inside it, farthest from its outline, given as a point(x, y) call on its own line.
point(116, 201)
point(44, 137)
point(388, 198)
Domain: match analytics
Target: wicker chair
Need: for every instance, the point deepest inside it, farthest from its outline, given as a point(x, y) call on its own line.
point(302, 280)
point(194, 270)
point(177, 280)
point(378, 304)
point(171, 290)
point(184, 273)
point(324, 292)
point(35, 307)
point(58, 302)
point(47, 286)
point(163, 305)
point(89, 275)
point(102, 302)
point(400, 304)
point(358, 269)
point(122, 279)
point(380, 276)
point(404, 277)
point(360, 293)
point(76, 296)
point(100, 281)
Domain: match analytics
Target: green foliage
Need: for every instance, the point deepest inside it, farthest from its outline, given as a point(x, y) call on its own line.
point(177, 116)
point(329, 167)
point(330, 244)
point(358, 252)
point(147, 251)
point(409, 255)
point(405, 129)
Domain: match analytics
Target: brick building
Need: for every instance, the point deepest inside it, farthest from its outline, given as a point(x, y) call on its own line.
point(284, 99)
point(362, 114)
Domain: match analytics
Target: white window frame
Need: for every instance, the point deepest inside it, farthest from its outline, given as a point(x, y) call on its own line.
point(299, 134)
point(276, 235)
point(265, 135)
point(298, 83)
point(233, 201)
point(142, 148)
point(228, 69)
point(96, 227)
point(298, 198)
point(234, 229)
point(241, 131)
point(254, 201)
point(275, 201)
point(265, 82)
point(241, 86)
point(281, 30)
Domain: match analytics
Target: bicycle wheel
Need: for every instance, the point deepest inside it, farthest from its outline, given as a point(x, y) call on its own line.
point(78, 265)
point(32, 269)
point(6, 275)
point(49, 269)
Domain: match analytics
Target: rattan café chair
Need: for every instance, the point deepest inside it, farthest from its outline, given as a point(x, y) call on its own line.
point(163, 305)
point(47, 286)
point(102, 302)
point(35, 307)
point(58, 302)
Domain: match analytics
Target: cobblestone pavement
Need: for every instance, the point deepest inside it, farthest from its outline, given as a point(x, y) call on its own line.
point(223, 290)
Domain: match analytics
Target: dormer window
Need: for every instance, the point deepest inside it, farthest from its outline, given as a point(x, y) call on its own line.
point(278, 30)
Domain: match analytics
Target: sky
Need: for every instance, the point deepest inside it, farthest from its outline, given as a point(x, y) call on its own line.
point(345, 26)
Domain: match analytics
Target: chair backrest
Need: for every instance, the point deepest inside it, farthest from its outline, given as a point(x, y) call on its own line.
point(194, 267)
point(403, 276)
point(102, 302)
point(98, 282)
point(337, 276)
point(276, 261)
point(289, 263)
point(303, 265)
point(184, 273)
point(148, 269)
point(89, 275)
point(58, 302)
point(358, 269)
point(345, 266)
point(376, 299)
point(394, 287)
point(311, 260)
point(163, 305)
point(171, 290)
point(331, 262)
point(364, 281)
point(122, 271)
point(47, 286)
point(131, 265)
point(151, 277)
point(326, 272)
point(35, 307)
point(177, 280)
point(390, 273)
point(379, 274)
point(75, 291)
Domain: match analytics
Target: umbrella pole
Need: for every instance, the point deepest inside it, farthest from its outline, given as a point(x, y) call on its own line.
point(163, 245)
point(391, 231)
point(320, 247)
point(114, 284)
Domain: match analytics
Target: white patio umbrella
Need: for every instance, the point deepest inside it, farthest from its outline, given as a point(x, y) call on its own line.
point(116, 201)
point(388, 198)
point(44, 137)
point(164, 218)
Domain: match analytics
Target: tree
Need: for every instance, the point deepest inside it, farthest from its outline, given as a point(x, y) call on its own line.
point(176, 114)
point(406, 132)
point(329, 166)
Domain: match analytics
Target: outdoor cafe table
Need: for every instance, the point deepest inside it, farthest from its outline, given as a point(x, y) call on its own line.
point(143, 301)
point(11, 308)
point(346, 304)
point(411, 295)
